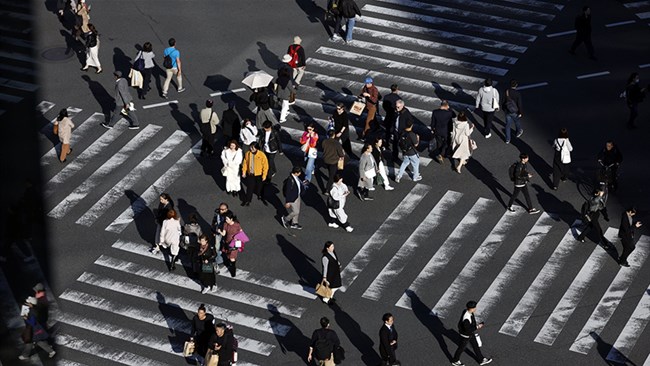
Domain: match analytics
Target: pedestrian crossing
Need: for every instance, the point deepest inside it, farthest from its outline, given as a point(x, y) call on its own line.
point(640, 8)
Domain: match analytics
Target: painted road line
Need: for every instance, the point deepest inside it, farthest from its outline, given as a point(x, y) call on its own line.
point(438, 34)
point(421, 56)
point(468, 27)
point(44, 106)
point(515, 265)
point(242, 275)
point(643, 66)
point(632, 330)
point(64, 362)
point(382, 234)
point(101, 351)
point(136, 174)
point(571, 298)
point(100, 174)
point(531, 86)
point(637, 4)
point(175, 325)
point(446, 251)
point(159, 104)
point(396, 65)
point(586, 76)
point(645, 15)
point(501, 9)
point(228, 92)
point(559, 34)
point(612, 297)
point(442, 47)
point(528, 303)
point(459, 13)
point(248, 321)
point(398, 261)
point(483, 255)
point(610, 25)
point(538, 4)
point(190, 284)
point(89, 154)
point(151, 194)
point(79, 132)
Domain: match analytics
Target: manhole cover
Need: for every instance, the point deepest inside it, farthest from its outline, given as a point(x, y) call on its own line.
point(57, 54)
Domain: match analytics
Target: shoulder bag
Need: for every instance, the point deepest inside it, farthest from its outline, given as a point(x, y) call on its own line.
point(511, 106)
point(332, 203)
point(138, 64)
point(323, 290)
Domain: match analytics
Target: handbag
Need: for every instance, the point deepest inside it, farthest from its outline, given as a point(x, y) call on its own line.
point(292, 96)
point(312, 153)
point(211, 358)
point(370, 173)
point(206, 267)
point(188, 349)
point(323, 290)
point(332, 203)
point(138, 64)
point(305, 147)
point(339, 354)
point(357, 108)
point(340, 164)
point(472, 145)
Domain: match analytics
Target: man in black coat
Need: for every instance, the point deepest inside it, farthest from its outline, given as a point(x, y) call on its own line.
point(323, 343)
point(388, 341)
point(222, 342)
point(403, 118)
point(441, 122)
point(583, 32)
point(270, 144)
point(626, 233)
point(230, 123)
point(467, 327)
point(388, 104)
point(292, 189)
point(610, 158)
point(520, 178)
point(591, 211)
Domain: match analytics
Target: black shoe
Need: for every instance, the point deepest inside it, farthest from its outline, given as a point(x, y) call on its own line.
point(245, 203)
point(172, 267)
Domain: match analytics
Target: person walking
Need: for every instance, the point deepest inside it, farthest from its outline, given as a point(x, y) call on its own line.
point(285, 87)
point(231, 228)
point(165, 204)
point(388, 341)
point(342, 127)
point(35, 333)
point(487, 102)
point(42, 306)
point(269, 141)
point(92, 50)
point(370, 94)
point(460, 139)
point(254, 170)
point(441, 122)
point(123, 104)
point(591, 211)
point(222, 343)
point(520, 177)
point(349, 11)
point(218, 220)
point(232, 157)
point(298, 60)
point(626, 233)
point(248, 134)
point(170, 235)
point(263, 105)
point(172, 64)
point(308, 142)
point(323, 342)
point(204, 259)
point(333, 158)
point(331, 270)
point(634, 95)
point(191, 234)
point(209, 123)
point(403, 118)
point(147, 56)
point(388, 104)
point(202, 328)
point(561, 158)
point(513, 108)
point(378, 155)
point(609, 159)
point(408, 143)
point(336, 204)
point(367, 172)
point(468, 328)
point(583, 33)
point(230, 123)
point(292, 188)
point(63, 126)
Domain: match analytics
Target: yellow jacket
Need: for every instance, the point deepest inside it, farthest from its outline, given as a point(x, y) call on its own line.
point(261, 164)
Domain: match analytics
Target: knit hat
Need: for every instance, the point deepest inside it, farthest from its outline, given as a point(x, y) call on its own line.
point(297, 40)
point(31, 300)
point(39, 287)
point(368, 80)
point(286, 58)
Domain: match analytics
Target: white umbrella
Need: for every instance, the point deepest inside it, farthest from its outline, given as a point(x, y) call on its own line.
point(257, 79)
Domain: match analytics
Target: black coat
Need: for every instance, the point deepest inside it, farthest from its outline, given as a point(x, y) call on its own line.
point(291, 189)
point(261, 98)
point(521, 174)
point(626, 230)
point(226, 351)
point(333, 271)
point(230, 124)
point(349, 8)
point(467, 327)
point(386, 350)
point(340, 121)
point(441, 121)
point(583, 25)
point(274, 140)
point(403, 117)
point(201, 331)
point(161, 213)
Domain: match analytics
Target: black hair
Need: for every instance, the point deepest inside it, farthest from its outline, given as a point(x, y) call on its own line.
point(523, 156)
point(470, 304)
point(296, 169)
point(487, 82)
point(324, 322)
point(171, 42)
point(267, 124)
point(514, 83)
point(147, 47)
point(386, 317)
point(62, 114)
point(394, 87)
point(327, 245)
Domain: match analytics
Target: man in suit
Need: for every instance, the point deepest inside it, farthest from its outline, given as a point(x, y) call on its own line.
point(292, 189)
point(123, 104)
point(626, 233)
point(441, 123)
point(388, 341)
point(270, 144)
point(390, 112)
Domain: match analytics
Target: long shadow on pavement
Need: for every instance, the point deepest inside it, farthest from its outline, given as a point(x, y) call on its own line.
point(295, 341)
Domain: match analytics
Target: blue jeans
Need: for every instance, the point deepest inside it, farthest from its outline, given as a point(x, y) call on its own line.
point(414, 160)
point(349, 29)
point(309, 170)
point(510, 118)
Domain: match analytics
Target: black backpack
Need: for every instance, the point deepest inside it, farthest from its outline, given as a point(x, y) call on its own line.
point(323, 347)
point(405, 144)
point(512, 171)
point(167, 62)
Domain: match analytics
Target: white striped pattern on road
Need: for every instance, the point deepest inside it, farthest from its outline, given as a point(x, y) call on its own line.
point(637, 4)
point(107, 353)
point(538, 4)
point(64, 362)
point(397, 262)
point(446, 251)
point(80, 131)
point(98, 176)
point(382, 234)
point(44, 106)
point(632, 330)
point(501, 9)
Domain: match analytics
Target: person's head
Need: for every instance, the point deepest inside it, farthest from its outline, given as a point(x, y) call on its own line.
point(564, 133)
point(324, 322)
point(92, 28)
point(399, 105)
point(117, 74)
point(340, 108)
point(461, 117)
point(631, 211)
point(487, 82)
point(609, 145)
point(328, 247)
point(193, 218)
point(599, 192)
point(514, 83)
point(204, 240)
point(147, 47)
point(247, 122)
point(394, 88)
point(444, 105)
point(408, 126)
point(201, 311)
point(586, 10)
point(634, 78)
point(209, 103)
point(233, 145)
point(230, 217)
point(471, 306)
point(254, 147)
point(296, 170)
point(297, 40)
point(311, 127)
point(171, 42)
point(367, 148)
point(368, 81)
point(220, 329)
point(267, 125)
point(523, 157)
point(388, 318)
point(331, 134)
point(165, 198)
point(171, 214)
point(378, 142)
point(62, 114)
point(338, 178)
point(223, 208)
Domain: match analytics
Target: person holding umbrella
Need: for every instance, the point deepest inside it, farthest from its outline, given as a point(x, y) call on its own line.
point(259, 82)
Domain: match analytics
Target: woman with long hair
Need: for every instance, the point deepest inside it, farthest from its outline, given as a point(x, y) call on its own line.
point(331, 270)
point(460, 140)
point(230, 228)
point(205, 262)
point(64, 126)
point(232, 157)
point(170, 236)
point(92, 49)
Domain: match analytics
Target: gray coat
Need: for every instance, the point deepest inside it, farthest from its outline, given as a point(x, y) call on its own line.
point(122, 94)
point(366, 163)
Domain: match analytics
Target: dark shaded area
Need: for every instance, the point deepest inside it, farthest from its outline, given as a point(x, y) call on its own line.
point(145, 221)
point(360, 340)
point(175, 316)
point(603, 349)
point(72, 45)
point(548, 202)
point(185, 210)
point(303, 264)
point(295, 341)
point(121, 62)
point(314, 13)
point(432, 323)
point(270, 59)
point(103, 98)
point(486, 177)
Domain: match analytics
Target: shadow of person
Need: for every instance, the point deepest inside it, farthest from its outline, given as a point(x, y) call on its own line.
point(252, 65)
point(185, 123)
point(603, 348)
point(143, 217)
point(302, 263)
point(432, 323)
point(360, 340)
point(177, 322)
point(105, 100)
point(561, 210)
point(269, 58)
point(185, 210)
point(121, 61)
point(217, 82)
point(294, 341)
point(72, 45)
point(486, 177)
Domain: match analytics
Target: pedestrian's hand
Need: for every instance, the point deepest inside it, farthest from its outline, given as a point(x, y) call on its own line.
point(520, 115)
point(287, 205)
point(638, 224)
point(309, 358)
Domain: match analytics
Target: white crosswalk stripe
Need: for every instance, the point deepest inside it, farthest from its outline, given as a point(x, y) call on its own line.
point(107, 353)
point(632, 330)
point(44, 106)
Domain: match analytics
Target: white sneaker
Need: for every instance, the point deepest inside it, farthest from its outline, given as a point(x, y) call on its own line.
point(485, 361)
point(488, 135)
point(23, 358)
point(349, 229)
point(154, 250)
point(389, 188)
point(214, 288)
point(181, 90)
point(51, 354)
point(371, 188)
point(204, 290)
point(333, 224)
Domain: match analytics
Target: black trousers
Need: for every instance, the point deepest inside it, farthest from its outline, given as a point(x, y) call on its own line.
point(487, 118)
point(628, 248)
point(332, 169)
point(634, 112)
point(443, 145)
point(524, 190)
point(587, 41)
point(254, 184)
point(463, 344)
point(272, 170)
point(347, 146)
point(560, 170)
point(146, 80)
point(592, 225)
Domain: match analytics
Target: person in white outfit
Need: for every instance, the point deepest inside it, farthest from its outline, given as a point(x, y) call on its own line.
point(338, 193)
point(170, 236)
point(92, 50)
point(232, 157)
point(247, 135)
point(561, 158)
point(460, 140)
point(378, 154)
point(487, 101)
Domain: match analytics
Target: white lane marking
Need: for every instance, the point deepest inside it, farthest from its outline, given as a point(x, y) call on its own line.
point(159, 104)
point(610, 25)
point(438, 33)
point(188, 283)
point(372, 60)
point(645, 15)
point(64, 362)
point(446, 251)
point(643, 66)
point(398, 261)
point(216, 94)
point(501, 9)
point(528, 303)
point(151, 194)
point(443, 47)
point(538, 4)
point(632, 330)
point(242, 275)
point(263, 325)
point(586, 76)
point(458, 13)
point(612, 297)
point(98, 175)
point(531, 86)
point(101, 351)
point(77, 134)
point(175, 325)
point(637, 4)
point(571, 298)
point(479, 260)
point(382, 234)
point(452, 63)
point(559, 34)
point(136, 174)
point(89, 154)
point(44, 106)
point(516, 264)
point(469, 27)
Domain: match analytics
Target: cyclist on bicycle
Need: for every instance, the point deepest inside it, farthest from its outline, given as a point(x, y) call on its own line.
point(609, 159)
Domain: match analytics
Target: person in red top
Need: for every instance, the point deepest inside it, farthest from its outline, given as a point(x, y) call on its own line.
point(308, 143)
point(298, 62)
point(231, 227)
point(371, 94)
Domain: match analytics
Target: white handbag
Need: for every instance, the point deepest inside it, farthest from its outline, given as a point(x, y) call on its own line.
point(370, 173)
